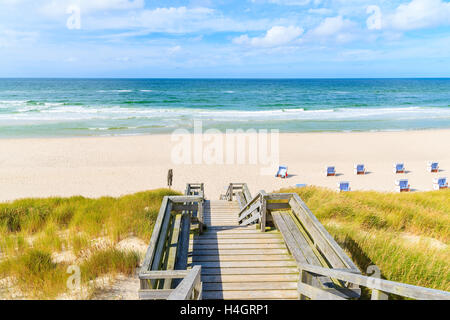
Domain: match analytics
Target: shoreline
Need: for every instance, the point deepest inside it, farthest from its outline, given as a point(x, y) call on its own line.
point(223, 131)
point(114, 166)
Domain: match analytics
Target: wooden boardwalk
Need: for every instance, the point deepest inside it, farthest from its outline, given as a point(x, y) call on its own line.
point(269, 246)
point(241, 262)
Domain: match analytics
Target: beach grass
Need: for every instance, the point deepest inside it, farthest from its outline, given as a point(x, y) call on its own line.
point(34, 232)
point(406, 235)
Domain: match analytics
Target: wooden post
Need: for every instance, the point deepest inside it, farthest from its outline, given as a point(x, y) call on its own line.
point(305, 277)
point(200, 216)
point(230, 198)
point(263, 213)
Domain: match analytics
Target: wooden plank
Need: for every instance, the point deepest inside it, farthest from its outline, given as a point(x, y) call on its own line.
point(146, 264)
point(250, 257)
point(256, 235)
point(177, 207)
point(250, 271)
point(253, 218)
point(315, 293)
point(185, 289)
point(278, 206)
point(183, 248)
point(154, 294)
point(246, 286)
point(204, 252)
point(299, 238)
point(247, 264)
point(238, 246)
point(172, 249)
point(250, 278)
point(163, 274)
point(279, 196)
point(160, 245)
point(263, 211)
point(290, 241)
point(238, 240)
point(401, 289)
point(251, 295)
point(324, 240)
point(182, 199)
point(249, 211)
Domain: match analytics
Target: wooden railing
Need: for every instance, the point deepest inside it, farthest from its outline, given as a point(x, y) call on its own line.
point(377, 285)
point(326, 272)
point(166, 259)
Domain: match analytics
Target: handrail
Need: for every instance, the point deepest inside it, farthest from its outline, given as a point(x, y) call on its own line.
point(168, 248)
point(190, 287)
point(397, 288)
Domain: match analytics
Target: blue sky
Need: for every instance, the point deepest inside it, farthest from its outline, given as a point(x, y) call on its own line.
point(225, 38)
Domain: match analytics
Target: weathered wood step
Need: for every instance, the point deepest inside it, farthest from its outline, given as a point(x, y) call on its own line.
point(250, 257)
point(228, 278)
point(247, 264)
point(259, 235)
point(212, 252)
point(239, 246)
point(202, 241)
point(249, 286)
point(250, 271)
point(250, 295)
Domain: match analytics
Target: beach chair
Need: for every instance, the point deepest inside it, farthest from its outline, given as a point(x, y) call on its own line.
point(360, 169)
point(433, 167)
point(331, 171)
point(282, 172)
point(399, 168)
point(344, 186)
point(440, 183)
point(402, 185)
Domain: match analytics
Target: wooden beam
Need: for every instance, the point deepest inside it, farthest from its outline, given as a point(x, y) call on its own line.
point(154, 294)
point(401, 289)
point(185, 290)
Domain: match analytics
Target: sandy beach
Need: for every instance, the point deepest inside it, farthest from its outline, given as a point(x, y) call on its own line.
point(114, 166)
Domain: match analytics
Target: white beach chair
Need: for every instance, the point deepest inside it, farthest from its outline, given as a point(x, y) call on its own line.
point(399, 168)
point(344, 186)
point(330, 171)
point(433, 167)
point(440, 183)
point(402, 185)
point(282, 172)
point(359, 169)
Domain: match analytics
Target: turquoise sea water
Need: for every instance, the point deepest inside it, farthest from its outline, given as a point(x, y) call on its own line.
point(80, 107)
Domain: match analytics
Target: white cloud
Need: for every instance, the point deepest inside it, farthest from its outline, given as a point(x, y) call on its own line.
point(421, 14)
point(332, 26)
point(322, 11)
point(275, 37)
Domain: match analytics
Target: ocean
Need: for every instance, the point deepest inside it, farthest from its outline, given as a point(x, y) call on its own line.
point(105, 107)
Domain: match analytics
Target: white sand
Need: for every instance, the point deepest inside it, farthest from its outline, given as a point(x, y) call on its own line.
point(113, 166)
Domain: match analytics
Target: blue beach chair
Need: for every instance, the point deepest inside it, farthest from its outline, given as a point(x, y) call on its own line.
point(399, 168)
point(360, 169)
point(282, 172)
point(402, 185)
point(440, 183)
point(331, 171)
point(433, 167)
point(344, 186)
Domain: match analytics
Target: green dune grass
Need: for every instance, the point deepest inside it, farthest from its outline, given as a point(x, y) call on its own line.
point(32, 230)
point(406, 235)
